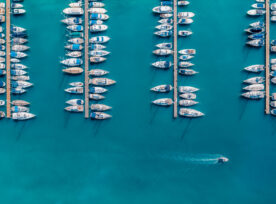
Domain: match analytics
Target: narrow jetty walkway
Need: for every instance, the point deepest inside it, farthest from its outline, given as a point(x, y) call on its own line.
point(267, 58)
point(175, 64)
point(8, 60)
point(86, 58)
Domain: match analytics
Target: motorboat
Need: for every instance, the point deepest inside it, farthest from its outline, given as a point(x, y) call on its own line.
point(99, 53)
point(254, 87)
point(162, 64)
point(185, 21)
point(75, 102)
point(18, 90)
point(96, 97)
point(96, 4)
point(74, 90)
point(99, 39)
point(190, 113)
point(187, 102)
point(77, 83)
point(163, 102)
point(99, 116)
point(20, 77)
point(17, 109)
point(255, 80)
point(186, 57)
point(74, 109)
point(101, 81)
point(22, 116)
point(163, 33)
point(18, 72)
point(256, 12)
point(254, 68)
point(187, 52)
point(18, 11)
point(165, 88)
point(256, 43)
point(185, 64)
point(20, 103)
point(183, 3)
point(97, 10)
point(98, 72)
point(256, 36)
point(163, 52)
point(166, 21)
point(184, 33)
point(72, 62)
point(74, 54)
point(94, 46)
point(2, 90)
point(187, 72)
point(253, 94)
point(20, 48)
point(162, 9)
point(98, 16)
point(73, 70)
point(187, 89)
point(95, 22)
point(18, 66)
point(185, 15)
point(2, 115)
point(75, 28)
point(257, 24)
point(73, 11)
point(98, 28)
point(164, 45)
point(188, 96)
point(18, 55)
point(22, 84)
point(2, 102)
point(97, 59)
point(99, 107)
point(259, 6)
point(97, 90)
point(164, 27)
point(255, 30)
point(72, 21)
point(74, 47)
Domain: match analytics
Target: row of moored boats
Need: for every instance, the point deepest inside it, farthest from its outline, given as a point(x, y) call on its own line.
point(164, 51)
point(73, 62)
point(20, 80)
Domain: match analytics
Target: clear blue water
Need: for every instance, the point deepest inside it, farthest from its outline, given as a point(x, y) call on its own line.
point(142, 155)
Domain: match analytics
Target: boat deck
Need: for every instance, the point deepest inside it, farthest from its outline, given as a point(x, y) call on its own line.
point(267, 58)
point(86, 58)
point(175, 74)
point(8, 60)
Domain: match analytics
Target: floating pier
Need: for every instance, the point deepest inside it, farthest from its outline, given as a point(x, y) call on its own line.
point(267, 58)
point(175, 63)
point(8, 60)
point(86, 59)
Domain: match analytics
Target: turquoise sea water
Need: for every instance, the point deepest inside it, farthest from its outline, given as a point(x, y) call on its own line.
point(141, 155)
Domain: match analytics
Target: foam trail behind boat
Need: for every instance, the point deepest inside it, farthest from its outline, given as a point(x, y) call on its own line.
point(204, 159)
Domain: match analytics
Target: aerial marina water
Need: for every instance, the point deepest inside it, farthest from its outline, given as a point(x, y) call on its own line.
point(92, 46)
point(170, 18)
point(12, 54)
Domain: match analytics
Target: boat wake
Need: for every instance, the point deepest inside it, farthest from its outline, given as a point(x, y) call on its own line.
point(204, 159)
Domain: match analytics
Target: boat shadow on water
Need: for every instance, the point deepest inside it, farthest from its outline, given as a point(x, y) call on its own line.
point(243, 106)
point(21, 128)
point(186, 128)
